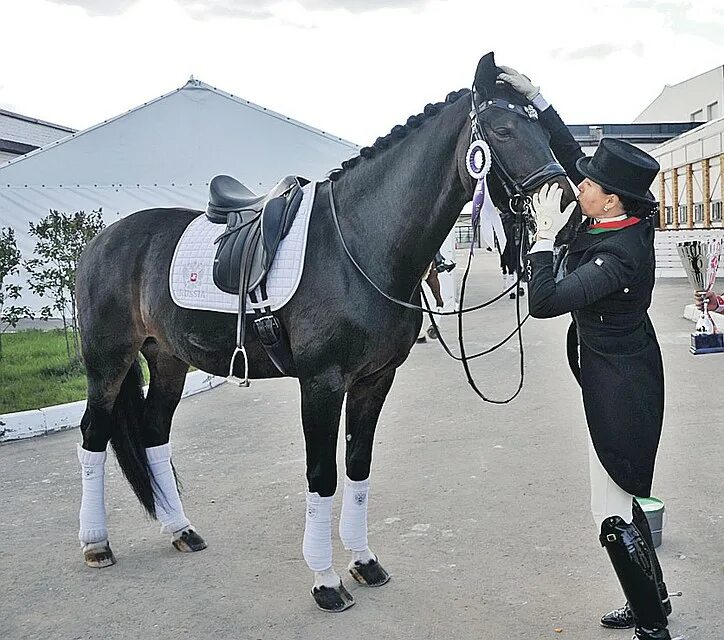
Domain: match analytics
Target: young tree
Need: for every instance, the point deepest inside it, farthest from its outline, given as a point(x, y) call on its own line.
point(61, 238)
point(10, 314)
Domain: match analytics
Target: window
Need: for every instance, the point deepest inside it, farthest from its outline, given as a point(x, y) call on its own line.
point(683, 214)
point(698, 212)
point(712, 111)
point(464, 236)
point(669, 215)
point(698, 116)
point(716, 211)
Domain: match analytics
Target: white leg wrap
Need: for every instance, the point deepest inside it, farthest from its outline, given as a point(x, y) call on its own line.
point(353, 519)
point(169, 510)
point(317, 545)
point(92, 505)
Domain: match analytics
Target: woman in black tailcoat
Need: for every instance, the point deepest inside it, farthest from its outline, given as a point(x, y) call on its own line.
point(606, 284)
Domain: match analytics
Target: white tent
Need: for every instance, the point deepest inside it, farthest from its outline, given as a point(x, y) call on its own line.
point(162, 153)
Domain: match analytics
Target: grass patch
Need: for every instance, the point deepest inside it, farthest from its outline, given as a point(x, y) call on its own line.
point(35, 372)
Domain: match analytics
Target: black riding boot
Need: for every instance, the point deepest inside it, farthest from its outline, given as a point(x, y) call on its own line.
point(623, 618)
point(633, 561)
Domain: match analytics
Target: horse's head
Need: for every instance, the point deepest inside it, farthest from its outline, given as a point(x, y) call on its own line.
point(522, 161)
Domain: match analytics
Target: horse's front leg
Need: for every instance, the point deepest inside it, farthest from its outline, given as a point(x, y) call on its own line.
point(322, 398)
point(364, 403)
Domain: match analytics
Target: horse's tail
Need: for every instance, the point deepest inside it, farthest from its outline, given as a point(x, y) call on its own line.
point(127, 439)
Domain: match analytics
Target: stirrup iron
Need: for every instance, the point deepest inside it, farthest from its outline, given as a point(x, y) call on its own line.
point(241, 382)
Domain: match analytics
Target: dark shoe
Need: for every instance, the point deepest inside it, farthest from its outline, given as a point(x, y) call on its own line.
point(618, 618)
point(642, 633)
point(623, 618)
point(442, 264)
point(633, 561)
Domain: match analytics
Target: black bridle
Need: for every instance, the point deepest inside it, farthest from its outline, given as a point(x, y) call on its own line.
point(519, 203)
point(516, 190)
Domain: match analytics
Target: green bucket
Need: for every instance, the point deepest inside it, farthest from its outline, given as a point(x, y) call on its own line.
point(654, 510)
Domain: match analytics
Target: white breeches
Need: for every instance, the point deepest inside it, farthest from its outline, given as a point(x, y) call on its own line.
point(166, 499)
point(92, 515)
point(607, 498)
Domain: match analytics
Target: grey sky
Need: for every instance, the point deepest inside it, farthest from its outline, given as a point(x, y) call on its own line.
point(599, 51)
point(354, 68)
point(242, 8)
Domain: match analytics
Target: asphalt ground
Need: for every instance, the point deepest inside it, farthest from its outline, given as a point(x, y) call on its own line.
point(479, 512)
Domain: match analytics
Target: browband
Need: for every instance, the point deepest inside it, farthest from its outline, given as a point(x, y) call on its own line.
point(528, 111)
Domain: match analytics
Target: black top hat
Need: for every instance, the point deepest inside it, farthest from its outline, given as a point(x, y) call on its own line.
point(621, 168)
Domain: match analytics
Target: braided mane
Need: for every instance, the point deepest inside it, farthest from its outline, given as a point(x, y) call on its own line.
point(398, 132)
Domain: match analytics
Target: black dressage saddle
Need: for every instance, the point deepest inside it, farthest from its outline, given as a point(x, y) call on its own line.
point(255, 225)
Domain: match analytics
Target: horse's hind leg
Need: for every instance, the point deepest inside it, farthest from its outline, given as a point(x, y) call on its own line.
point(364, 404)
point(168, 375)
point(109, 375)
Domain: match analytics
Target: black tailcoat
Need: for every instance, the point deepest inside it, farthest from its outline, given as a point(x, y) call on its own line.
point(607, 288)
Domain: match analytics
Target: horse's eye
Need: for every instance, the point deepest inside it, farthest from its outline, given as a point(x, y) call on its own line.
point(502, 132)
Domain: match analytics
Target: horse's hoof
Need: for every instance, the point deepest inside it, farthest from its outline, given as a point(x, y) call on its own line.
point(332, 599)
point(189, 541)
point(98, 555)
point(370, 574)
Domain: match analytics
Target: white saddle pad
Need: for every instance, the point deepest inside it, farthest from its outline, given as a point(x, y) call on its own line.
point(191, 278)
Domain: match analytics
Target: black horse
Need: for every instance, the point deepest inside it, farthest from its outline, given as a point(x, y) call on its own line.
point(395, 203)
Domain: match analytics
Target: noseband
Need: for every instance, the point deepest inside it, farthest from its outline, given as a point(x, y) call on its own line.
point(516, 190)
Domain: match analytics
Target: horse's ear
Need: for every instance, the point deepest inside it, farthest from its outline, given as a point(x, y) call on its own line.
point(486, 74)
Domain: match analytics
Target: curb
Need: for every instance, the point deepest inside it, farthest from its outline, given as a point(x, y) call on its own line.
point(60, 417)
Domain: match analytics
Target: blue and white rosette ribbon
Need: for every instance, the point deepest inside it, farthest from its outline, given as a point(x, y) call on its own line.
point(484, 215)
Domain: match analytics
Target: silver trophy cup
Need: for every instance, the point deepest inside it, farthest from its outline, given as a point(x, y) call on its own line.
point(700, 259)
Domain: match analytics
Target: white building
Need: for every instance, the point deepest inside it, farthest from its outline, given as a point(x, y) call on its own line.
point(690, 186)
point(698, 99)
point(20, 134)
point(162, 153)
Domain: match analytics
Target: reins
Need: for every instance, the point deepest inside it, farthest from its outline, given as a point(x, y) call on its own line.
point(463, 358)
point(519, 204)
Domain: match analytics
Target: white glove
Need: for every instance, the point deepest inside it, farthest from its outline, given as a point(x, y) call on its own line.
point(549, 219)
point(519, 82)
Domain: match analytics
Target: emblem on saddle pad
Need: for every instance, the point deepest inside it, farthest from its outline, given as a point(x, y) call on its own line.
point(196, 272)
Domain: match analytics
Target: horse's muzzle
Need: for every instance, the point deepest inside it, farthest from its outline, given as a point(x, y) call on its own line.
point(545, 175)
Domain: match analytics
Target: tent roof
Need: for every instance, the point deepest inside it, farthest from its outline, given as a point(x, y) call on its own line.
point(163, 153)
point(186, 135)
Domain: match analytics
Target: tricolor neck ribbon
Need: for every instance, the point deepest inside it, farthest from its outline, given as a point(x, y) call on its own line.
point(604, 227)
